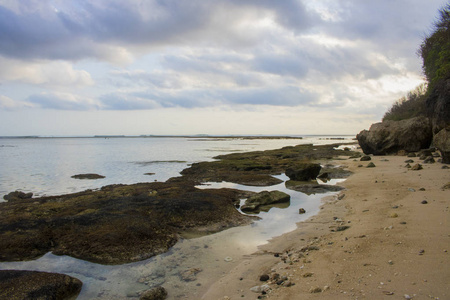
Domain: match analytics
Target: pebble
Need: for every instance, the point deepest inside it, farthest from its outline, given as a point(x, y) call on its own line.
point(315, 290)
point(421, 252)
point(394, 215)
point(424, 202)
point(228, 259)
point(407, 296)
point(301, 211)
point(264, 277)
point(260, 288)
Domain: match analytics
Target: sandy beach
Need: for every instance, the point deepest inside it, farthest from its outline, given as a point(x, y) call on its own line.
point(378, 239)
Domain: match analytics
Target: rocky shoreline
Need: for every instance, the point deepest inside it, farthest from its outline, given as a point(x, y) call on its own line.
point(124, 223)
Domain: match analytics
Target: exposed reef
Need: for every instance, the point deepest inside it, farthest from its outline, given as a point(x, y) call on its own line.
point(126, 223)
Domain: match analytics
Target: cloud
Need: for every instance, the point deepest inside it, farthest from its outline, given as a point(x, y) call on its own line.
point(63, 101)
point(9, 104)
point(48, 73)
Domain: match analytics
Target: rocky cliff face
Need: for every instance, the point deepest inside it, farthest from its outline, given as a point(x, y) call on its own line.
point(392, 136)
point(438, 106)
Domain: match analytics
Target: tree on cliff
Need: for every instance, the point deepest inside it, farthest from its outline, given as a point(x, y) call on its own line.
point(435, 53)
point(435, 49)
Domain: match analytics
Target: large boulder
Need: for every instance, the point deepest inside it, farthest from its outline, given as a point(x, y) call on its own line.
point(303, 172)
point(15, 284)
point(264, 198)
point(442, 141)
point(392, 136)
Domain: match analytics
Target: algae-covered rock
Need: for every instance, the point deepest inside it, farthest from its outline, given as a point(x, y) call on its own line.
point(303, 172)
point(309, 188)
point(28, 285)
point(264, 198)
point(117, 224)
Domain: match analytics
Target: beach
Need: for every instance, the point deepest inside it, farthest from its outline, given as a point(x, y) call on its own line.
point(386, 236)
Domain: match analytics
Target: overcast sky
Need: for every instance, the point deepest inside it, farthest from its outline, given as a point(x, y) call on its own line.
point(134, 67)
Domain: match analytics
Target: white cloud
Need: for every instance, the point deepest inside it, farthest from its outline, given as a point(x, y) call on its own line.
point(47, 73)
point(9, 104)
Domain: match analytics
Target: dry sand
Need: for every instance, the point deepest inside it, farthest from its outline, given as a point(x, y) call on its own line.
point(395, 246)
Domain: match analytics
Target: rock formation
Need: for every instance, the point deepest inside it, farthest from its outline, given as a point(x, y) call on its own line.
point(442, 142)
point(389, 137)
point(15, 284)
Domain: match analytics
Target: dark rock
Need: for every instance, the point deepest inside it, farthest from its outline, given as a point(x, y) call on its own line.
point(409, 161)
point(17, 195)
point(309, 189)
point(371, 165)
point(303, 172)
point(88, 176)
point(445, 167)
point(442, 141)
point(389, 137)
point(424, 202)
point(16, 284)
point(417, 167)
point(264, 198)
point(342, 228)
point(429, 160)
point(323, 176)
point(301, 211)
point(150, 174)
point(365, 158)
point(412, 154)
point(117, 224)
point(264, 277)
point(158, 293)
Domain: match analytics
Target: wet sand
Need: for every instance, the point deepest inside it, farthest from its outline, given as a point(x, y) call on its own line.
point(395, 246)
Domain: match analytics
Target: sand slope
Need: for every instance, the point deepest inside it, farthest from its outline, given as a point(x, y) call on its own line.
point(395, 246)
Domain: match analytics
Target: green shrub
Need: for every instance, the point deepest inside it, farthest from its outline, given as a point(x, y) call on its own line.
point(410, 106)
point(435, 49)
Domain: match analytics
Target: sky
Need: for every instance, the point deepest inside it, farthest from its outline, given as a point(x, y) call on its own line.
point(218, 67)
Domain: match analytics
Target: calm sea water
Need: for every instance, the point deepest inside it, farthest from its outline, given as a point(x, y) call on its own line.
point(44, 166)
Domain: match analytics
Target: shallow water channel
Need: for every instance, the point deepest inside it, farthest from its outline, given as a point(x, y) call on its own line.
point(191, 265)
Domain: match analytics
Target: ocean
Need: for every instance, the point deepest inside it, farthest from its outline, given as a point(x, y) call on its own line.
point(44, 166)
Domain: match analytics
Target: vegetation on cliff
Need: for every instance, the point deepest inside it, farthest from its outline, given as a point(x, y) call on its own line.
point(435, 53)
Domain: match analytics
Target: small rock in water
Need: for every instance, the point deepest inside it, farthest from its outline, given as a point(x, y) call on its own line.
point(190, 275)
point(88, 176)
point(301, 211)
point(158, 293)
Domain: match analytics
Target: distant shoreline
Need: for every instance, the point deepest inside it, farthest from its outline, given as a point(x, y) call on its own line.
point(249, 137)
